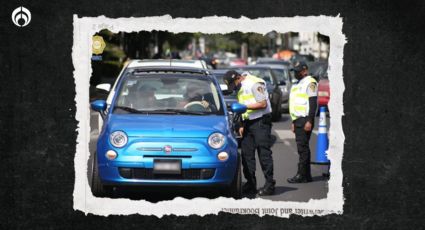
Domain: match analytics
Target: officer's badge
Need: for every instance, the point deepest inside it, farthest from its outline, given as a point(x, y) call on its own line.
point(312, 87)
point(98, 45)
point(260, 89)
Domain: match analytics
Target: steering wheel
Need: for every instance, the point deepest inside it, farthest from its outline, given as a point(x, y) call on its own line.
point(196, 106)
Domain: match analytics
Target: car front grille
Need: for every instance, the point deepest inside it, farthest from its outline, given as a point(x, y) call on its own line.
point(147, 174)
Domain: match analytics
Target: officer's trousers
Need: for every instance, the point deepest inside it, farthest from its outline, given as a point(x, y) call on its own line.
point(257, 136)
point(303, 138)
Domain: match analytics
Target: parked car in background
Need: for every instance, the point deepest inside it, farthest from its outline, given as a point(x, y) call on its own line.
point(166, 126)
point(323, 93)
point(302, 57)
point(272, 84)
point(223, 58)
point(237, 62)
point(273, 61)
point(319, 71)
point(285, 82)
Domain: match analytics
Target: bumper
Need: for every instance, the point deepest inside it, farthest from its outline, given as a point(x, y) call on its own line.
point(199, 165)
point(202, 175)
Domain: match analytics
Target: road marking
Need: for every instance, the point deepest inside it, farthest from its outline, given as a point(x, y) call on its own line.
point(284, 134)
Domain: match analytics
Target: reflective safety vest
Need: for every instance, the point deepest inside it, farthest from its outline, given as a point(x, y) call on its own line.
point(298, 99)
point(246, 97)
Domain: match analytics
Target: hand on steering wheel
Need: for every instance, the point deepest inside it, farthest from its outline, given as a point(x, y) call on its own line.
point(204, 104)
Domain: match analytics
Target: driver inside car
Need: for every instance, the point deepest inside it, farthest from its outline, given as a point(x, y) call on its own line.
point(195, 98)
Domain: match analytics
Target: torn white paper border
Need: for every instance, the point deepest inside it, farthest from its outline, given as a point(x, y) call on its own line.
point(86, 27)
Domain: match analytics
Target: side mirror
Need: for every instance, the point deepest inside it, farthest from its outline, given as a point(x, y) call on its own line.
point(98, 105)
point(105, 86)
point(238, 108)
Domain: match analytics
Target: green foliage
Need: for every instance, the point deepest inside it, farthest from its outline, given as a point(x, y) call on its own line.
point(112, 59)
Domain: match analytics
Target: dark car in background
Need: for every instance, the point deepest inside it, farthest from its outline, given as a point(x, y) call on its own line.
point(237, 62)
point(272, 84)
point(273, 61)
point(319, 71)
point(284, 77)
point(302, 57)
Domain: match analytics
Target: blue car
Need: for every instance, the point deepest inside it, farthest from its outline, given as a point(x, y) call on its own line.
point(166, 126)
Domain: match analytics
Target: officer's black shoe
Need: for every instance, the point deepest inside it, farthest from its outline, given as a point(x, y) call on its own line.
point(299, 179)
point(267, 190)
point(249, 188)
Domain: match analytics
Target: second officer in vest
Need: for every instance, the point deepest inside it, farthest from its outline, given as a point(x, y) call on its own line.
point(255, 130)
point(302, 108)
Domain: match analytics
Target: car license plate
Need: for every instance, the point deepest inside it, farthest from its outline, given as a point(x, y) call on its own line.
point(162, 166)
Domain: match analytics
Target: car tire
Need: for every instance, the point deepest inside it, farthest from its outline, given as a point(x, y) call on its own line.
point(97, 188)
point(235, 188)
point(277, 112)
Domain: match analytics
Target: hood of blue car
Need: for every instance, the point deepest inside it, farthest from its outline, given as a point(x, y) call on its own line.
point(136, 125)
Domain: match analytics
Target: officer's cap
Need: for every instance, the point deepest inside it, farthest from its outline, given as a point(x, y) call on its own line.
point(299, 66)
point(229, 78)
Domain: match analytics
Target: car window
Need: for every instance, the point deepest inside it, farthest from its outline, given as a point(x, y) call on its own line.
point(167, 92)
point(265, 74)
point(281, 74)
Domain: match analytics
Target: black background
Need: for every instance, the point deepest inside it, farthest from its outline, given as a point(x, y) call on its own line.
point(383, 124)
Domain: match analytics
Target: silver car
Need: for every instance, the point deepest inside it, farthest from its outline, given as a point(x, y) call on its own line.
point(285, 82)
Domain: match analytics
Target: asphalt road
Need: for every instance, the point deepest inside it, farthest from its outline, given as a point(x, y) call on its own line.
point(285, 158)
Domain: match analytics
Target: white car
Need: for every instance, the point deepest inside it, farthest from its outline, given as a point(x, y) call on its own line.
point(145, 63)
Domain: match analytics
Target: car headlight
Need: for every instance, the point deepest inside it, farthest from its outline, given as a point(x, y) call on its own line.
point(118, 139)
point(216, 140)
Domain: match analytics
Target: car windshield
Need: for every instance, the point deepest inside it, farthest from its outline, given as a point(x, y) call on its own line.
point(265, 74)
point(281, 74)
point(165, 93)
point(274, 62)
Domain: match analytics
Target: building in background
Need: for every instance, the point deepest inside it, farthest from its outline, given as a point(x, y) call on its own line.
point(310, 43)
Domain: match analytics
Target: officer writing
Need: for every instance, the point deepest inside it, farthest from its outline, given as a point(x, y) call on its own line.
point(302, 108)
point(255, 129)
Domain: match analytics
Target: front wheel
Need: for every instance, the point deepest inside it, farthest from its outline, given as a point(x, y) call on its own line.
point(277, 112)
point(97, 188)
point(235, 188)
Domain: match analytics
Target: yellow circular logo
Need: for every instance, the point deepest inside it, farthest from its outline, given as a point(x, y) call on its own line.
point(98, 45)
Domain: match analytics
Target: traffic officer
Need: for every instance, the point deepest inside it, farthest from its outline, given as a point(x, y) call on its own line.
point(255, 129)
point(302, 108)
